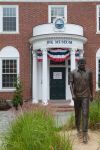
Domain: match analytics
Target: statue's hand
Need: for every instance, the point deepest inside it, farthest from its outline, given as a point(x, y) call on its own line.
point(91, 98)
point(73, 97)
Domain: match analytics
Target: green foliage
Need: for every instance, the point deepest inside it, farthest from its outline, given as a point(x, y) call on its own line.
point(34, 131)
point(97, 96)
point(18, 98)
point(94, 114)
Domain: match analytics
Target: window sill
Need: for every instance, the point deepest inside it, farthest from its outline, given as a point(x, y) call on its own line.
point(98, 32)
point(9, 32)
point(7, 90)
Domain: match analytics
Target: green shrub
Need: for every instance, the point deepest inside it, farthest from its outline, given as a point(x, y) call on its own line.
point(94, 114)
point(18, 97)
point(34, 131)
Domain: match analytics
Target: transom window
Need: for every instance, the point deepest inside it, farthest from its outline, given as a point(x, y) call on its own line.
point(9, 73)
point(9, 18)
point(57, 11)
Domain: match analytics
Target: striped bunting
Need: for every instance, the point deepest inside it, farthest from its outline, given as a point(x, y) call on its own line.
point(39, 55)
point(58, 54)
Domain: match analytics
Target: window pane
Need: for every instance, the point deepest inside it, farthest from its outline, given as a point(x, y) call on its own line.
point(9, 24)
point(52, 11)
point(60, 12)
point(9, 80)
point(9, 73)
point(9, 12)
point(57, 12)
point(9, 19)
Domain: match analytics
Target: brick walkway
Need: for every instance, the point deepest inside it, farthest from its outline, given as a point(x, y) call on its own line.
point(5, 118)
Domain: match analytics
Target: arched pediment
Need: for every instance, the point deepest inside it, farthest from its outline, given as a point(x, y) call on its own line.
point(9, 51)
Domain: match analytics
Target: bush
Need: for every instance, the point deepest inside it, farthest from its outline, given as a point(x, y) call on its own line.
point(94, 114)
point(18, 98)
point(34, 131)
point(97, 95)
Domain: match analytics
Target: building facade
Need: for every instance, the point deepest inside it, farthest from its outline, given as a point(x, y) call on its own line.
point(41, 42)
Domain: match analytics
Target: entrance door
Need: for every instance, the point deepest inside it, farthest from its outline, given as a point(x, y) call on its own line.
point(57, 83)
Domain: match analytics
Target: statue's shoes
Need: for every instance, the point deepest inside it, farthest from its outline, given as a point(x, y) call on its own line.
point(79, 134)
point(85, 139)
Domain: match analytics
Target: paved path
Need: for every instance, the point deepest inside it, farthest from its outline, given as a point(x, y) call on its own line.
point(5, 118)
point(93, 142)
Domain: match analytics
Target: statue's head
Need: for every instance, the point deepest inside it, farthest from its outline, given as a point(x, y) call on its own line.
point(81, 63)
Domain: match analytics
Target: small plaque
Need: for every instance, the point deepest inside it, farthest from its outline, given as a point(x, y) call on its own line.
point(57, 75)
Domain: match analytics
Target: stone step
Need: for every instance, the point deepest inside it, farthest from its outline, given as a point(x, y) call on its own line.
point(63, 109)
point(61, 106)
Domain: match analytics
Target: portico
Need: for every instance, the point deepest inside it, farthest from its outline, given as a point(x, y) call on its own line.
point(59, 46)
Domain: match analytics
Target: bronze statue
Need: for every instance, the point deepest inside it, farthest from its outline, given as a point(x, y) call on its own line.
point(81, 85)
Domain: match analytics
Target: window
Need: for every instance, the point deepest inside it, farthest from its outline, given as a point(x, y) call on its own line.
point(9, 73)
point(9, 18)
point(98, 70)
point(99, 73)
point(98, 18)
point(9, 64)
point(57, 11)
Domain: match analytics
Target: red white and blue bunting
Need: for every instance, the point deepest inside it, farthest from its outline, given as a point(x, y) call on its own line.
point(77, 55)
point(39, 55)
point(57, 54)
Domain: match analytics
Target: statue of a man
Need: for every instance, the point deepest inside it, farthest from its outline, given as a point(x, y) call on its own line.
point(81, 85)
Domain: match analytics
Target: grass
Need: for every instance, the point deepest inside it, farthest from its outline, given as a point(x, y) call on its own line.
point(94, 115)
point(34, 131)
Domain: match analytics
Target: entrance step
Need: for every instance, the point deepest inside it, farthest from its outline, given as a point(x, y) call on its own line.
point(53, 105)
point(60, 105)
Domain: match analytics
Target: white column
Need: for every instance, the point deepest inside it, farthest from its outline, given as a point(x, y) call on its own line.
point(81, 53)
point(44, 80)
point(34, 82)
point(72, 57)
point(73, 66)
